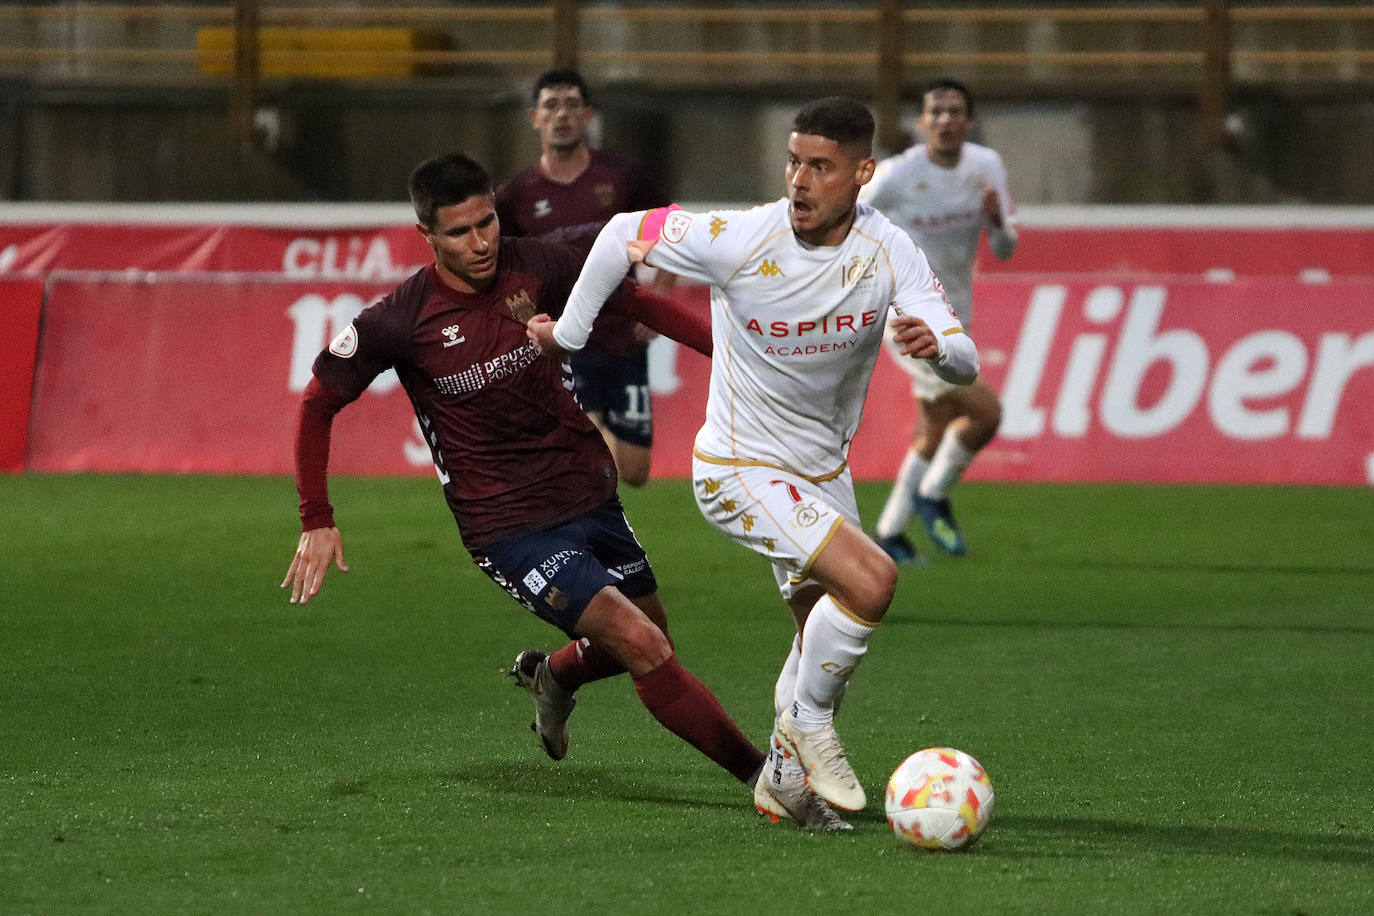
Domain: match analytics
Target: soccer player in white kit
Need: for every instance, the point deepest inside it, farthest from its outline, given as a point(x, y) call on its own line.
point(945, 192)
point(800, 293)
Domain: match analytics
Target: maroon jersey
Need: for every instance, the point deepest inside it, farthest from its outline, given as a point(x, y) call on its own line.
point(533, 204)
point(513, 449)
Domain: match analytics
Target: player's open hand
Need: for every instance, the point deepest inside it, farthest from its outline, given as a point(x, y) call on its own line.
point(318, 547)
point(914, 337)
point(539, 330)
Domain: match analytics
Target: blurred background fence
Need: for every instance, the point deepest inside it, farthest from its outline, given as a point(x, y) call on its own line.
point(1126, 102)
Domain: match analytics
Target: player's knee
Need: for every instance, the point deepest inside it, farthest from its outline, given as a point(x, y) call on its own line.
point(633, 476)
point(637, 641)
point(872, 594)
point(646, 648)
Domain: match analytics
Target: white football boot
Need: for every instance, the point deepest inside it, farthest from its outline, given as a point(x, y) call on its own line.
point(552, 704)
point(822, 757)
point(781, 792)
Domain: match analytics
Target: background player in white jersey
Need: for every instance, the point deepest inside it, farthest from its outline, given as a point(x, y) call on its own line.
point(945, 192)
point(800, 294)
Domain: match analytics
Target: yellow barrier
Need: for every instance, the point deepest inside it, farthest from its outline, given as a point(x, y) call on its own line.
point(324, 53)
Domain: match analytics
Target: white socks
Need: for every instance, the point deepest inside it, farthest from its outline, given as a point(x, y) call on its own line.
point(897, 510)
point(833, 643)
point(946, 465)
point(786, 687)
point(933, 480)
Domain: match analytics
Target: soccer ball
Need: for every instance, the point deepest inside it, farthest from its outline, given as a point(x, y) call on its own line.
point(939, 798)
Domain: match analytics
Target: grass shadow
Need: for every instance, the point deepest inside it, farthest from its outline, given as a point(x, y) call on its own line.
point(897, 618)
point(1134, 837)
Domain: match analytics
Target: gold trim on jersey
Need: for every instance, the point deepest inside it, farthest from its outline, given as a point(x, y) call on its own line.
point(800, 577)
point(743, 463)
point(951, 332)
point(825, 542)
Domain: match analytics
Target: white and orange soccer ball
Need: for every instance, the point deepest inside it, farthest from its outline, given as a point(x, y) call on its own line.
point(939, 798)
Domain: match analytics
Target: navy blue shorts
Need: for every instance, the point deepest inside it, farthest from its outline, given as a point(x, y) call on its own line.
point(556, 572)
point(617, 387)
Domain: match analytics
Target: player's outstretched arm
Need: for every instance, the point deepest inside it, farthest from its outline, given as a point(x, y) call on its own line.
point(606, 265)
point(318, 548)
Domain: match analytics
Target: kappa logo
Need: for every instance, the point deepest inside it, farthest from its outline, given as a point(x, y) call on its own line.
point(717, 227)
point(542, 208)
point(769, 268)
point(454, 338)
point(605, 194)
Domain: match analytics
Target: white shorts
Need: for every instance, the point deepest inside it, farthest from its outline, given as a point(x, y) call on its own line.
point(925, 384)
point(780, 514)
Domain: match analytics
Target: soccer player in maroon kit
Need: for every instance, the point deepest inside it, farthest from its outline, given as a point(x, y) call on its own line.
point(573, 184)
point(525, 473)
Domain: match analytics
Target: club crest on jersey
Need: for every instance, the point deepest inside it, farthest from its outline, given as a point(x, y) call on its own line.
point(859, 270)
point(605, 194)
point(345, 343)
point(542, 208)
point(521, 306)
point(454, 338)
point(676, 225)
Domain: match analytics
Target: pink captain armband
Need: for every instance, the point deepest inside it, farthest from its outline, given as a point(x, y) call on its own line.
point(651, 227)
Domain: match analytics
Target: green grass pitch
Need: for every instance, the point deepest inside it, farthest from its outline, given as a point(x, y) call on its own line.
point(1170, 688)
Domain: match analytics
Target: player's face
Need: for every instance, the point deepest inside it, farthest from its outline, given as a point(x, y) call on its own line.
point(945, 122)
point(465, 238)
point(560, 116)
point(823, 181)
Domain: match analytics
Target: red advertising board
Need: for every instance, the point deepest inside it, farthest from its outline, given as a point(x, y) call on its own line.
point(1122, 353)
point(21, 302)
point(1293, 251)
point(388, 252)
point(1261, 381)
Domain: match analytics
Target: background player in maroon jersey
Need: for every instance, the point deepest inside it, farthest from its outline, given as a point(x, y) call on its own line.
point(572, 184)
point(525, 473)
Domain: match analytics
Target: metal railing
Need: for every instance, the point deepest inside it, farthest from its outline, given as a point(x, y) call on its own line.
point(1203, 48)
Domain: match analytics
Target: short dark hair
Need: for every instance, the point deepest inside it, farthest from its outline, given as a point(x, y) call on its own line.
point(444, 181)
point(560, 76)
point(839, 118)
point(947, 83)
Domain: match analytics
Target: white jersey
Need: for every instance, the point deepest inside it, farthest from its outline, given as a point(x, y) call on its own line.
point(796, 328)
point(942, 209)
